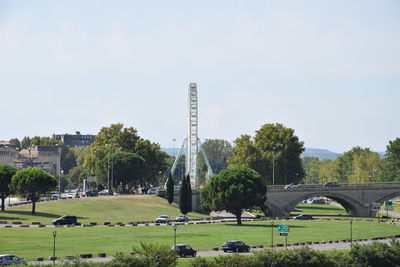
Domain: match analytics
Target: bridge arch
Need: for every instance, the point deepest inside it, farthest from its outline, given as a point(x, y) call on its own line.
point(349, 204)
point(388, 197)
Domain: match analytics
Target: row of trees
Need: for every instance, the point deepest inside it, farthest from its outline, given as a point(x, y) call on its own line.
point(29, 182)
point(359, 165)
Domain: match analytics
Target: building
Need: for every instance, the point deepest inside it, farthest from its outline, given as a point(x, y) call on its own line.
point(75, 140)
point(47, 158)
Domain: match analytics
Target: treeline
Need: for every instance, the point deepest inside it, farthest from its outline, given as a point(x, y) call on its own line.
point(359, 165)
point(371, 255)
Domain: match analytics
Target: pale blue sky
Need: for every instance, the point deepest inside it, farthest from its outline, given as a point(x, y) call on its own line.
point(328, 69)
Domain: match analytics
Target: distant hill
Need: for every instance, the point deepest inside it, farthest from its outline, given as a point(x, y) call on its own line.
point(320, 154)
point(309, 152)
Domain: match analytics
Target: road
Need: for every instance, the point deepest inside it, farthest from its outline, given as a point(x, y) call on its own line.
point(338, 246)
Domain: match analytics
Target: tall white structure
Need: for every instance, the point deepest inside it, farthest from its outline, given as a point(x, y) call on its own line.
point(192, 142)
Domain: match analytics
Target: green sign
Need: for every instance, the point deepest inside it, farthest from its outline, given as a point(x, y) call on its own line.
point(388, 203)
point(283, 228)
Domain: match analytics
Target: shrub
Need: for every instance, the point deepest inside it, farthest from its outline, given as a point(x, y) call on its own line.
point(376, 254)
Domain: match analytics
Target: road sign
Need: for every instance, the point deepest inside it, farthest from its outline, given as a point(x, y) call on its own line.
point(283, 228)
point(283, 234)
point(388, 203)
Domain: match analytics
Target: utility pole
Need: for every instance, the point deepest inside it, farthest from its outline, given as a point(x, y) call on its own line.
point(273, 166)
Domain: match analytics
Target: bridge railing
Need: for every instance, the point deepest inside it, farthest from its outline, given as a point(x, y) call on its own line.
point(320, 187)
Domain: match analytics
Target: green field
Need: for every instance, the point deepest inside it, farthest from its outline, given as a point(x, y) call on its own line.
point(99, 209)
point(320, 209)
point(34, 242)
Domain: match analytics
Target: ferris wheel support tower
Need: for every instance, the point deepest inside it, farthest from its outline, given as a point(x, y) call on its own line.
point(192, 144)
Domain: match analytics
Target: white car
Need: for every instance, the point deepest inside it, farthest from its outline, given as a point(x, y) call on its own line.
point(162, 219)
point(292, 185)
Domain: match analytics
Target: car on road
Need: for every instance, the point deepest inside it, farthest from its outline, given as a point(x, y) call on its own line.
point(303, 217)
point(162, 219)
point(54, 195)
point(152, 191)
point(90, 193)
point(64, 220)
point(184, 250)
point(106, 192)
point(292, 186)
point(331, 184)
point(9, 259)
point(318, 201)
point(182, 218)
point(235, 246)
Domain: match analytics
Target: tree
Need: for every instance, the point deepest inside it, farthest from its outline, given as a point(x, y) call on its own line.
point(234, 190)
point(274, 149)
point(189, 193)
point(184, 200)
point(32, 182)
point(25, 142)
point(390, 168)
point(116, 138)
point(217, 151)
point(126, 167)
point(170, 189)
point(15, 142)
point(6, 173)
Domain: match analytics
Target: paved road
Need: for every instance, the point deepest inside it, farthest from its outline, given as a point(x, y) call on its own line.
point(332, 246)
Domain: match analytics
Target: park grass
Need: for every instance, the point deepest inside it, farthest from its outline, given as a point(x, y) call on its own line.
point(99, 209)
point(322, 209)
point(34, 242)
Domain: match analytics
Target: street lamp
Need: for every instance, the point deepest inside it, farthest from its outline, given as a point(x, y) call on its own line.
point(272, 234)
point(54, 246)
point(273, 166)
point(351, 233)
point(174, 227)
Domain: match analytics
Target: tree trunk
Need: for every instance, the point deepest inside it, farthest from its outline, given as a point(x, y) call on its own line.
point(33, 207)
point(2, 203)
point(239, 218)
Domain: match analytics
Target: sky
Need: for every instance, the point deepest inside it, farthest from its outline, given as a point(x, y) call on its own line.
point(330, 70)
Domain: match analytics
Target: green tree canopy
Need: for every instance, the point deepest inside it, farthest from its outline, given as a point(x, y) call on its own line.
point(15, 142)
point(273, 150)
point(6, 173)
point(184, 197)
point(127, 170)
point(390, 168)
point(32, 183)
point(170, 189)
point(234, 190)
point(116, 138)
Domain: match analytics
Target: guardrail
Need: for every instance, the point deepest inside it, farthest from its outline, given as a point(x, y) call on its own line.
point(319, 187)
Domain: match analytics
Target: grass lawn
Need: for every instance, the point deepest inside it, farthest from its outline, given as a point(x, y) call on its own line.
point(34, 242)
point(320, 209)
point(98, 209)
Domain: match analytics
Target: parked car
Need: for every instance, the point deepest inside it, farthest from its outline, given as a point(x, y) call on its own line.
point(65, 220)
point(303, 217)
point(318, 201)
point(331, 184)
point(8, 259)
point(106, 192)
point(152, 191)
point(292, 186)
point(54, 195)
point(235, 246)
point(182, 218)
point(162, 219)
point(184, 250)
point(90, 193)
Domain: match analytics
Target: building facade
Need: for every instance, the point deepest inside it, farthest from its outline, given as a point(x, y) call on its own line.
point(75, 140)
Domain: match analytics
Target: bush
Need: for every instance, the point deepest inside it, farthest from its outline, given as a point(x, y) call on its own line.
point(376, 254)
point(154, 255)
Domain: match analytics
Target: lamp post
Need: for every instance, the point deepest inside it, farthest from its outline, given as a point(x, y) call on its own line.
point(273, 166)
point(174, 227)
point(54, 246)
point(351, 233)
point(272, 234)
point(173, 144)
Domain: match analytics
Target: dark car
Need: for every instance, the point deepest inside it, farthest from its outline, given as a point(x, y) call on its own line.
point(331, 184)
point(236, 246)
point(184, 250)
point(303, 217)
point(91, 193)
point(318, 201)
point(65, 220)
point(8, 259)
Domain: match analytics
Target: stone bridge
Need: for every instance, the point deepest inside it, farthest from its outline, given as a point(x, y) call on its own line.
point(355, 198)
